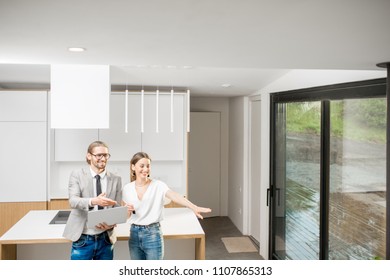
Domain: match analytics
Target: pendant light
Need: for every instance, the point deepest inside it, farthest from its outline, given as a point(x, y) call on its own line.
point(126, 109)
point(142, 109)
point(188, 110)
point(157, 97)
point(172, 110)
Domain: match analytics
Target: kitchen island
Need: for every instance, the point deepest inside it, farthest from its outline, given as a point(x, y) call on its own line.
point(34, 237)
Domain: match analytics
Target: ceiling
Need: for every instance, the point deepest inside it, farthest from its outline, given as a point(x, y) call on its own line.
point(195, 44)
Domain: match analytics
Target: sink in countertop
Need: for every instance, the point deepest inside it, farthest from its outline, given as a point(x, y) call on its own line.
point(60, 218)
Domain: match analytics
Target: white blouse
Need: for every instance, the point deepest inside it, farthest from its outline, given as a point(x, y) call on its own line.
point(149, 210)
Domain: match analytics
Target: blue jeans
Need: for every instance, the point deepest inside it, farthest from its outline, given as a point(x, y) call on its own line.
point(146, 242)
point(92, 247)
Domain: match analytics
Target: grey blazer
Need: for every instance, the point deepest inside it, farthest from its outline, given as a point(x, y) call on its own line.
point(80, 192)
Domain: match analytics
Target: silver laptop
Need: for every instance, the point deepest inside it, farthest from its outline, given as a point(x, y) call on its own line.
point(110, 216)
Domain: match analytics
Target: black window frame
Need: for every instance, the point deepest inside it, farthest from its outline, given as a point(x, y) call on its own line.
point(374, 88)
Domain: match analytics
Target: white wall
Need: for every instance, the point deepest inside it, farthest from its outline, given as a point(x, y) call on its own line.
point(238, 163)
point(295, 79)
point(218, 104)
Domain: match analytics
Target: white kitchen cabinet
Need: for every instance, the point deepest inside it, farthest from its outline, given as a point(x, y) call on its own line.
point(23, 149)
point(23, 106)
point(72, 144)
point(123, 145)
point(164, 144)
point(23, 146)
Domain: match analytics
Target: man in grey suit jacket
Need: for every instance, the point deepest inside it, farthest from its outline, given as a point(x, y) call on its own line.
point(92, 243)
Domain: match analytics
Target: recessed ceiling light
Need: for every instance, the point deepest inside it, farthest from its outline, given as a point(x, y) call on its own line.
point(226, 85)
point(77, 49)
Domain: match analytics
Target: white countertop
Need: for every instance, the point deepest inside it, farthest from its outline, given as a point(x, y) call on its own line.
point(34, 227)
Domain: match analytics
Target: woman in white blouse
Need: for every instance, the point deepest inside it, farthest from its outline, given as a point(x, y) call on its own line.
point(144, 198)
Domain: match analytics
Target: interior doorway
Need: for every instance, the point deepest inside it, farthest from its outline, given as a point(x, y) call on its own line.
point(204, 161)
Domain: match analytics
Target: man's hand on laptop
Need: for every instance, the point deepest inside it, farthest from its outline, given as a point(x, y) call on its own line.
point(103, 201)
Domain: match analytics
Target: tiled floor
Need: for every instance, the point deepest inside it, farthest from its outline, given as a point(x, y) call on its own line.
point(217, 227)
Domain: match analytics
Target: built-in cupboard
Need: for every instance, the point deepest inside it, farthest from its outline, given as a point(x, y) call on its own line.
point(23, 146)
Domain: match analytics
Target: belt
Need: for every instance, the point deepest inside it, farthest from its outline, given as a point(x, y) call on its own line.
point(94, 236)
point(146, 226)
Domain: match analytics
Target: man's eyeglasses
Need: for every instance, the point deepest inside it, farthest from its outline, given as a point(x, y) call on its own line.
point(100, 156)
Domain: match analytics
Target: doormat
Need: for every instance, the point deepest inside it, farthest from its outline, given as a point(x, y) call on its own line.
point(241, 244)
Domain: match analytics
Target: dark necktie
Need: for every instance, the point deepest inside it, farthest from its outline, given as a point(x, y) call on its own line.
point(98, 188)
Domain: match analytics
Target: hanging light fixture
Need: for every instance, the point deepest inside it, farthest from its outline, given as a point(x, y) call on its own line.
point(142, 109)
point(172, 110)
point(157, 97)
point(126, 103)
point(188, 110)
point(126, 109)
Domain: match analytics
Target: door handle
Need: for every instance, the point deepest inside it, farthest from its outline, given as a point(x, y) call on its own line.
point(268, 194)
point(278, 195)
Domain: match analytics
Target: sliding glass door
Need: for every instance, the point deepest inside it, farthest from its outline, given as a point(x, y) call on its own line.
point(357, 201)
point(297, 180)
point(328, 173)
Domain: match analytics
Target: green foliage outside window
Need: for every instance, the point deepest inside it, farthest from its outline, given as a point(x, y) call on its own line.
point(354, 119)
